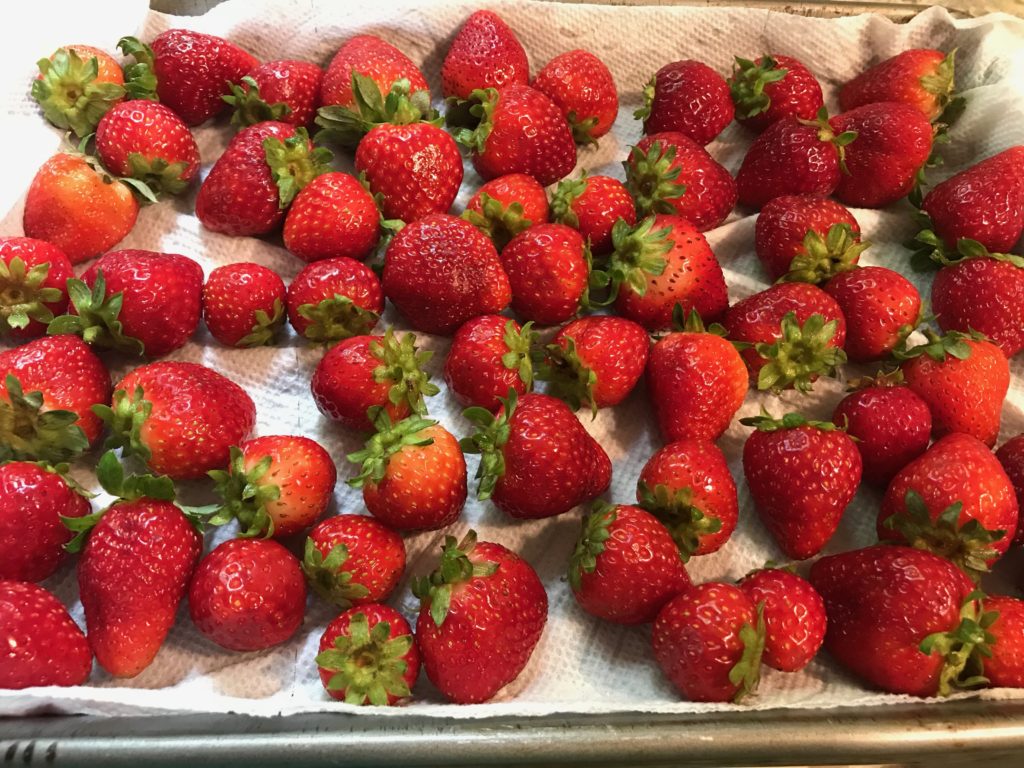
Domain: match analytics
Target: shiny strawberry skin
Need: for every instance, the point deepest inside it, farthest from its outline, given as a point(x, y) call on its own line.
point(691, 98)
point(376, 554)
point(1005, 668)
point(232, 296)
point(514, 188)
point(333, 216)
point(373, 57)
point(784, 222)
point(614, 349)
point(325, 279)
point(595, 209)
point(296, 84)
point(898, 78)
point(547, 272)
point(880, 306)
point(984, 295)
point(152, 130)
point(484, 54)
point(13, 292)
point(474, 369)
point(794, 617)
point(1011, 456)
point(798, 94)
point(583, 88)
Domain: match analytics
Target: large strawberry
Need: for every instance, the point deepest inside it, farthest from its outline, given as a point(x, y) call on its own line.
point(485, 53)
point(984, 294)
point(592, 205)
point(920, 77)
point(285, 90)
point(881, 308)
point(505, 206)
point(686, 96)
point(582, 87)
point(375, 60)
point(773, 87)
point(548, 270)
point(333, 216)
point(794, 617)
point(33, 285)
point(1005, 667)
point(243, 304)
point(334, 299)
point(489, 355)
point(76, 85)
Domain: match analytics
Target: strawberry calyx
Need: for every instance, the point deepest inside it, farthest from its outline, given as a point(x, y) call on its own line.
point(748, 82)
point(675, 509)
point(582, 130)
point(124, 419)
point(328, 578)
point(941, 84)
point(930, 252)
point(520, 351)
point(566, 194)
point(828, 135)
point(368, 664)
point(402, 366)
point(940, 348)
point(964, 647)
point(245, 495)
point(800, 354)
point(139, 77)
point(482, 103)
point(644, 111)
point(250, 107)
point(28, 431)
point(691, 322)
point(638, 252)
point(455, 568)
point(765, 422)
point(68, 92)
point(570, 378)
point(293, 164)
point(158, 174)
point(651, 179)
point(822, 258)
point(346, 126)
point(499, 222)
point(594, 532)
point(884, 378)
point(492, 432)
point(265, 327)
point(23, 297)
point(388, 440)
point(746, 673)
point(96, 317)
point(335, 318)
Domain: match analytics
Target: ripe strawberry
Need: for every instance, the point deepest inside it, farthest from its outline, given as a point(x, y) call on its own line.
point(353, 560)
point(709, 640)
point(592, 205)
point(984, 295)
point(595, 361)
point(489, 356)
point(248, 595)
point(582, 87)
point(1005, 667)
point(920, 77)
point(243, 304)
point(33, 285)
point(285, 90)
point(42, 644)
point(413, 474)
point(333, 216)
point(484, 54)
point(334, 299)
point(881, 308)
point(807, 239)
point(256, 178)
point(366, 371)
point(441, 271)
point(77, 208)
point(536, 460)
point(689, 97)
point(505, 206)
point(374, 59)
point(1011, 456)
point(796, 332)
point(802, 475)
point(773, 87)
point(154, 416)
point(626, 565)
point(368, 656)
point(670, 173)
point(146, 141)
point(794, 617)
point(548, 271)
point(275, 485)
point(964, 379)
point(76, 86)
point(481, 614)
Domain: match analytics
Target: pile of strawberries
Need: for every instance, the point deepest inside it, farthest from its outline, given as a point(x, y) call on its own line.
point(624, 272)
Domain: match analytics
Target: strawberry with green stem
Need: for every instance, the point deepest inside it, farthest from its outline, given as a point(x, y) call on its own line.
point(920, 77)
point(285, 90)
point(243, 304)
point(76, 86)
point(401, 104)
point(881, 308)
point(334, 216)
point(794, 616)
point(485, 53)
point(1004, 667)
point(548, 269)
point(686, 96)
point(505, 206)
point(489, 355)
point(334, 299)
point(33, 285)
point(592, 205)
point(368, 57)
point(582, 87)
point(772, 87)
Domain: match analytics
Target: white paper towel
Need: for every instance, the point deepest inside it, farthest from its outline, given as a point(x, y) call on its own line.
point(581, 664)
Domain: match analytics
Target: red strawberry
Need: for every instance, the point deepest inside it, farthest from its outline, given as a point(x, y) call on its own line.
point(484, 54)
point(626, 565)
point(670, 173)
point(346, 383)
point(592, 204)
point(413, 474)
point(489, 355)
point(441, 271)
point(42, 644)
point(275, 485)
point(708, 641)
point(548, 271)
point(881, 308)
point(984, 295)
point(794, 617)
point(243, 304)
point(76, 86)
point(375, 59)
point(537, 459)
point(334, 299)
point(773, 87)
point(802, 475)
point(1011, 456)
point(33, 285)
point(333, 216)
point(368, 656)
point(582, 87)
point(920, 77)
point(481, 614)
point(285, 90)
point(248, 595)
point(689, 97)
point(1005, 667)
point(505, 206)
point(353, 560)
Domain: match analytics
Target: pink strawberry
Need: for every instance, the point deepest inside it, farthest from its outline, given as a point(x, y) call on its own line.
point(582, 87)
point(920, 77)
point(33, 285)
point(592, 205)
point(484, 54)
point(489, 356)
point(505, 206)
point(773, 87)
point(285, 90)
point(689, 97)
point(334, 299)
point(548, 271)
point(353, 560)
point(332, 217)
point(794, 617)
point(243, 304)
point(881, 308)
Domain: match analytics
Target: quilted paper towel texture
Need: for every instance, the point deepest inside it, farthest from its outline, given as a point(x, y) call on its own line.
point(581, 664)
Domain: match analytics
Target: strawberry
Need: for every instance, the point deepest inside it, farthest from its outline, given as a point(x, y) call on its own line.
point(42, 644)
point(147, 141)
point(881, 308)
point(275, 485)
point(794, 617)
point(33, 499)
point(1005, 667)
point(441, 271)
point(592, 205)
point(796, 332)
point(548, 271)
point(893, 144)
point(285, 90)
point(595, 361)
point(353, 560)
point(154, 416)
point(689, 97)
point(901, 619)
point(413, 474)
point(243, 304)
point(709, 640)
point(77, 208)
point(248, 595)
point(333, 216)
point(964, 380)
point(256, 178)
point(536, 460)
point(489, 355)
point(802, 475)
point(582, 87)
point(142, 302)
point(485, 53)
point(368, 656)
point(920, 77)
point(773, 87)
point(807, 239)
point(505, 206)
point(481, 614)
point(625, 566)
point(47, 390)
point(33, 285)
point(334, 299)
point(366, 371)
point(520, 130)
point(983, 294)
point(670, 173)
point(687, 486)
point(1011, 456)
point(374, 59)
point(76, 85)
point(956, 500)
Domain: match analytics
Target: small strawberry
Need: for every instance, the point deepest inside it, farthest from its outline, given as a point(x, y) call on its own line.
point(285, 90)
point(773, 87)
point(33, 285)
point(76, 85)
point(582, 87)
point(485, 53)
point(1011, 456)
point(333, 216)
point(243, 304)
point(592, 205)
point(505, 206)
point(481, 615)
point(881, 308)
point(689, 97)
point(548, 269)
point(920, 77)
point(986, 295)
point(334, 299)
point(489, 355)
point(353, 560)
point(794, 617)
point(1005, 667)
point(374, 59)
